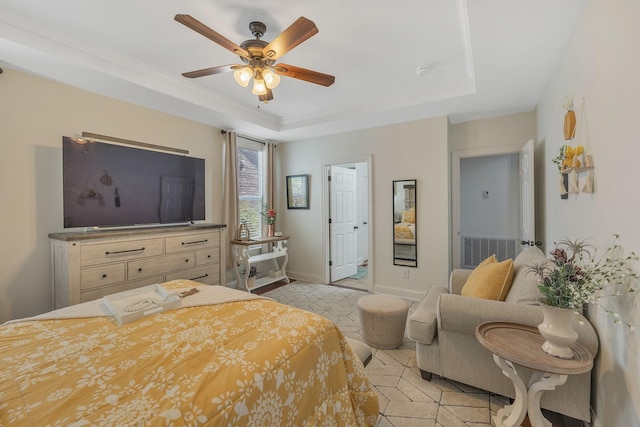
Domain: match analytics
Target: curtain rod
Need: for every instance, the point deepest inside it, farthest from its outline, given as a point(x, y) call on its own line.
point(223, 131)
point(136, 143)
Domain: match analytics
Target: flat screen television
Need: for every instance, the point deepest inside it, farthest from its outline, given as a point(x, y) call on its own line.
point(110, 185)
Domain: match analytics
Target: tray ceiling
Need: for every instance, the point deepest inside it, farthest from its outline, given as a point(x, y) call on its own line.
point(482, 58)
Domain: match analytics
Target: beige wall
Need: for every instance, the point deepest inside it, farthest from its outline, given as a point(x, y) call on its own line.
point(600, 68)
point(414, 150)
point(34, 115)
point(503, 131)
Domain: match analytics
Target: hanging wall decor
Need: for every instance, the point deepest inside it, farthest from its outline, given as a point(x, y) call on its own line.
point(298, 191)
point(573, 160)
point(569, 120)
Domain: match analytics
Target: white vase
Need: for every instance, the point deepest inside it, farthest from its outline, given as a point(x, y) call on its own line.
point(556, 329)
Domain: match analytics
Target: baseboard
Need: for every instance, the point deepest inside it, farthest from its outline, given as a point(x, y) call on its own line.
point(402, 293)
point(305, 277)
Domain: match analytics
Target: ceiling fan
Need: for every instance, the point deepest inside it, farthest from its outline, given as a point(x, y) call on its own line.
point(259, 57)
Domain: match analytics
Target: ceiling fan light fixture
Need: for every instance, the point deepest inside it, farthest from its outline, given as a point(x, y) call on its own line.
point(259, 86)
point(271, 79)
point(243, 76)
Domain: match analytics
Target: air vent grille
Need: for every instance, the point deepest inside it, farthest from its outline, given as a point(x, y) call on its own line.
point(477, 249)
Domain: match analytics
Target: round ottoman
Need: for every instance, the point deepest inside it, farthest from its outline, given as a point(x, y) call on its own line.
point(383, 319)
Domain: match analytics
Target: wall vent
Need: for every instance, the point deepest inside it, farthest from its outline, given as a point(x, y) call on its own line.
point(477, 249)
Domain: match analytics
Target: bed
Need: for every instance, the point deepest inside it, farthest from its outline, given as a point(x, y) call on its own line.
point(404, 232)
point(224, 358)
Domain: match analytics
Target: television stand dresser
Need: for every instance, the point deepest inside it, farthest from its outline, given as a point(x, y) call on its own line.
point(91, 264)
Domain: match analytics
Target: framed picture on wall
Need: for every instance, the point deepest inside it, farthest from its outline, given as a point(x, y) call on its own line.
point(298, 191)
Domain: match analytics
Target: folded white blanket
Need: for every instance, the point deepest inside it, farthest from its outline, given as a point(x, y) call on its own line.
point(207, 295)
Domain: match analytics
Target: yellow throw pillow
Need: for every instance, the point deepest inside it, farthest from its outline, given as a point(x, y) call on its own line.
point(490, 280)
point(409, 216)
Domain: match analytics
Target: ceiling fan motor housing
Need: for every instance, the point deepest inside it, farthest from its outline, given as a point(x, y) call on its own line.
point(255, 48)
point(257, 29)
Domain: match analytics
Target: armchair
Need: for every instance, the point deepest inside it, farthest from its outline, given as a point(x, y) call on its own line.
point(444, 325)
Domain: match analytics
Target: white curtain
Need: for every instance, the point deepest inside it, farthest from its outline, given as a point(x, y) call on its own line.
point(231, 216)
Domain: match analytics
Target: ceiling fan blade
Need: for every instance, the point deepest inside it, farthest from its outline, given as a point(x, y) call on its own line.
point(199, 27)
point(266, 98)
point(304, 74)
point(213, 70)
point(296, 33)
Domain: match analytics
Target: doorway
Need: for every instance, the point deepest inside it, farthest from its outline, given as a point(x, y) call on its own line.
point(347, 219)
point(516, 164)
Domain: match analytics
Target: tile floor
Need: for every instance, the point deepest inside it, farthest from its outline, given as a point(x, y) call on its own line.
point(406, 400)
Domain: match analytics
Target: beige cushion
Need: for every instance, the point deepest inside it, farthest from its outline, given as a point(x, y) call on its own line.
point(524, 288)
point(490, 280)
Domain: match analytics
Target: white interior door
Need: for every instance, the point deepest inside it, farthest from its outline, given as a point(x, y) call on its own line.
point(527, 197)
point(344, 244)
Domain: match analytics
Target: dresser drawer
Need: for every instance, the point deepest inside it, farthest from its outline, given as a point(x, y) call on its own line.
point(189, 242)
point(103, 275)
point(208, 256)
point(120, 251)
point(209, 274)
point(121, 287)
point(158, 265)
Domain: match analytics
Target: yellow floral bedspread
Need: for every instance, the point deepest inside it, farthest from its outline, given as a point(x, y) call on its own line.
point(244, 363)
point(404, 231)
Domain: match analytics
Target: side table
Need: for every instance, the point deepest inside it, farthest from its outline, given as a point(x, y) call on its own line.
point(513, 346)
point(240, 254)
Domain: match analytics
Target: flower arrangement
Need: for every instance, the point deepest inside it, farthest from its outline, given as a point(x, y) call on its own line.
point(575, 276)
point(269, 215)
point(568, 157)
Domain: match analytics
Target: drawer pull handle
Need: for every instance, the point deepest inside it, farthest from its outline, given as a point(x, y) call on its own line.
point(139, 270)
point(124, 252)
point(104, 276)
point(196, 242)
point(186, 260)
point(208, 256)
point(200, 277)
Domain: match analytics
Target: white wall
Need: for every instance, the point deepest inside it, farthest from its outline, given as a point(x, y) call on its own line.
point(34, 115)
point(414, 150)
point(601, 65)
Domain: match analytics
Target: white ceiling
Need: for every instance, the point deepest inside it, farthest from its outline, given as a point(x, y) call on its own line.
point(486, 57)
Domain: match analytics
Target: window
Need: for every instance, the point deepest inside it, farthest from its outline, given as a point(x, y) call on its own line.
point(250, 184)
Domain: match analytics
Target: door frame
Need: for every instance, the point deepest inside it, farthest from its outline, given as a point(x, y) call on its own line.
point(456, 157)
point(326, 164)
